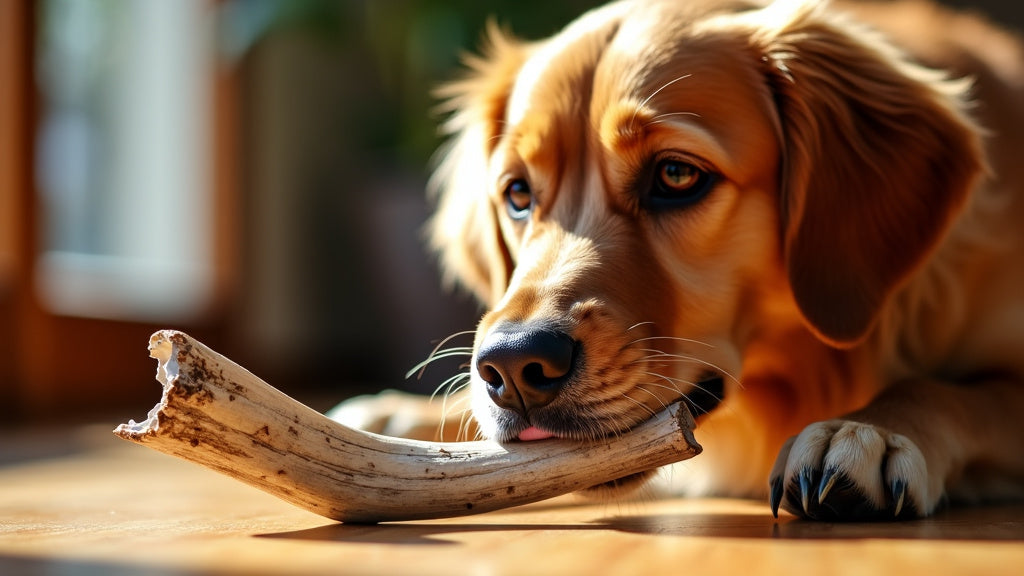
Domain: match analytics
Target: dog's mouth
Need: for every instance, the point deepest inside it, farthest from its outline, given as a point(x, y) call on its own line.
point(705, 397)
point(702, 400)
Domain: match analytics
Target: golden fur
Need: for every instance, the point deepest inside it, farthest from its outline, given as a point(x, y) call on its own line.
point(855, 275)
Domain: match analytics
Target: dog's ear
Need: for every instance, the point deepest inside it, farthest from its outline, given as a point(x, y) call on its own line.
point(878, 159)
point(465, 230)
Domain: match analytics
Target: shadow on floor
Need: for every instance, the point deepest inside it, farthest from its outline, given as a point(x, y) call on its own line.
point(997, 523)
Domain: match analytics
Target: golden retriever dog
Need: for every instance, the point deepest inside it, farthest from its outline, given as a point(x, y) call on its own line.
point(805, 219)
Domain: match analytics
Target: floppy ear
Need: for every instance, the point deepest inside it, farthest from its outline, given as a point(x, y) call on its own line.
point(878, 159)
point(465, 230)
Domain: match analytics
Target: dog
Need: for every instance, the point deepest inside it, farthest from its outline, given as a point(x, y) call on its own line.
point(802, 218)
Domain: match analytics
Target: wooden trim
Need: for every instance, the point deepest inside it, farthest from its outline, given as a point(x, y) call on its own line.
point(17, 21)
point(12, 160)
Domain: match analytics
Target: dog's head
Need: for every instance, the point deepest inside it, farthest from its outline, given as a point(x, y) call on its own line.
point(640, 198)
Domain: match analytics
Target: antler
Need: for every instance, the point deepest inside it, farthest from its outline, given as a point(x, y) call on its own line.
point(215, 413)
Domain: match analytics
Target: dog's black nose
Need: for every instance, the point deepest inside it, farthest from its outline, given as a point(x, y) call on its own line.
point(525, 365)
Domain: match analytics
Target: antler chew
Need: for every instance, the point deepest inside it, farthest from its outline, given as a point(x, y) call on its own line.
point(215, 413)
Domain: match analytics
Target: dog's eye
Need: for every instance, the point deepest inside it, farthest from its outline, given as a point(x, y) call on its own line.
point(518, 199)
point(678, 184)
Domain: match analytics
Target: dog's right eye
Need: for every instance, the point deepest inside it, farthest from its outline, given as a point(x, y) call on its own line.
point(678, 184)
point(518, 199)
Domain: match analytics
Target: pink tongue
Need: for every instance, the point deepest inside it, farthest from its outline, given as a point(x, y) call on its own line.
point(534, 433)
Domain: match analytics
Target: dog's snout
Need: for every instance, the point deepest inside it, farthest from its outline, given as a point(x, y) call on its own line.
point(525, 366)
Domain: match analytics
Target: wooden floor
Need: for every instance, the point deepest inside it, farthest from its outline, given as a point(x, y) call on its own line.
point(84, 502)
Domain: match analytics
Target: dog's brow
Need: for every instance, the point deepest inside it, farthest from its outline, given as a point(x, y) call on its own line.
point(681, 131)
point(530, 145)
point(655, 93)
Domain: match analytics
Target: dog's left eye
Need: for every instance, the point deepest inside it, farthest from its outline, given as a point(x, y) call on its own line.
point(678, 184)
point(518, 199)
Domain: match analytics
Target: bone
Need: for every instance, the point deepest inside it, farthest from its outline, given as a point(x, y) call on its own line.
point(217, 414)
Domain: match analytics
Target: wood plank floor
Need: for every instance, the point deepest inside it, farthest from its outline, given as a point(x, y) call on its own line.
point(84, 502)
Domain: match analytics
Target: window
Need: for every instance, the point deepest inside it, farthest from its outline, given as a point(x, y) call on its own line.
point(123, 158)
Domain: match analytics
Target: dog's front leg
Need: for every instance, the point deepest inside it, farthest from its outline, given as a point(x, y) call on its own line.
point(916, 444)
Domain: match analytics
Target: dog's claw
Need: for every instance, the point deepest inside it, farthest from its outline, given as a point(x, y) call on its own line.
point(828, 480)
point(805, 489)
point(775, 494)
point(899, 493)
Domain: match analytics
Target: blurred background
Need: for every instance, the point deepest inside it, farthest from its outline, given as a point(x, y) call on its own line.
point(249, 171)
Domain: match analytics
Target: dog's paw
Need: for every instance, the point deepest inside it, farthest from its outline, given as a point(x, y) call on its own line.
point(844, 470)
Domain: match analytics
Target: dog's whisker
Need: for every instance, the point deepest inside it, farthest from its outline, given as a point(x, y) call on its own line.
point(673, 382)
point(594, 421)
point(616, 429)
point(641, 404)
point(451, 385)
point(454, 390)
point(654, 354)
point(674, 339)
point(465, 421)
point(607, 427)
point(669, 378)
point(451, 337)
point(458, 402)
point(440, 352)
point(695, 387)
point(662, 356)
point(419, 368)
point(444, 422)
point(641, 388)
